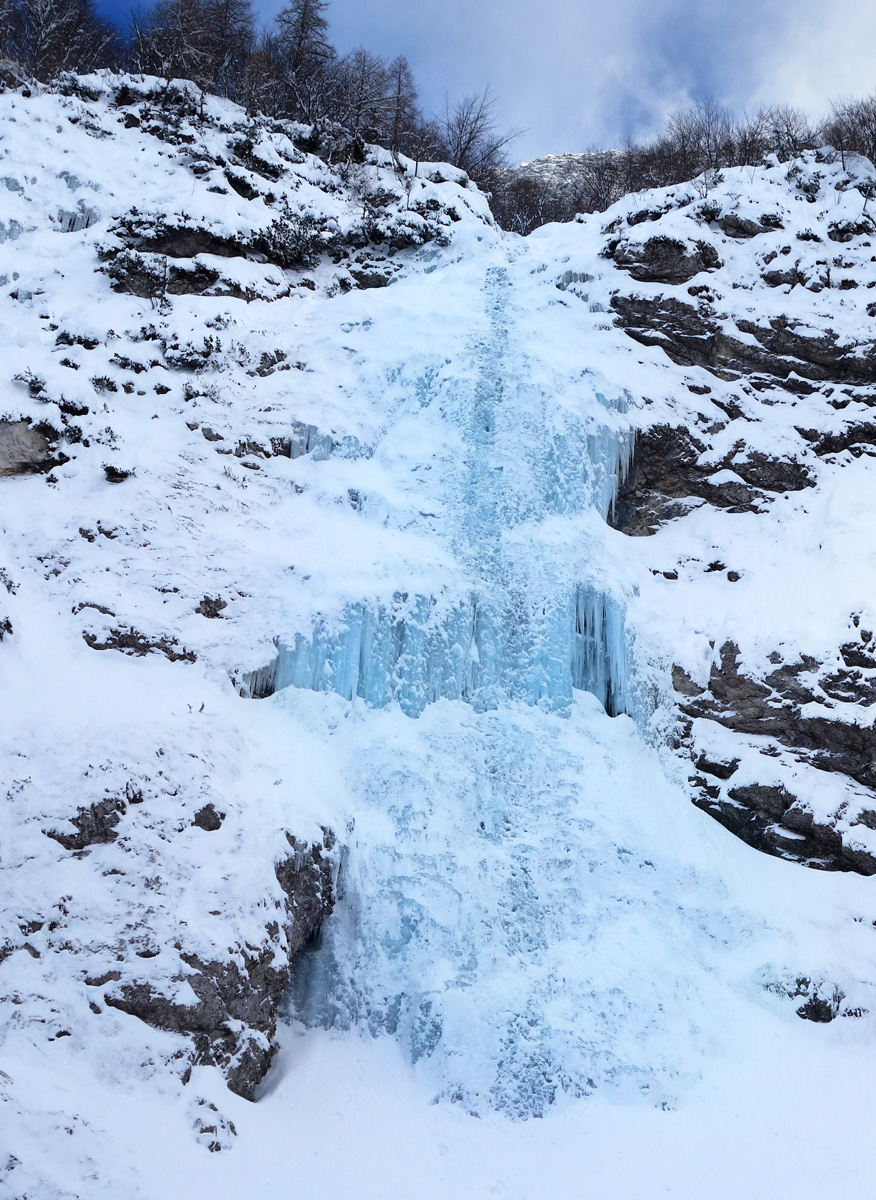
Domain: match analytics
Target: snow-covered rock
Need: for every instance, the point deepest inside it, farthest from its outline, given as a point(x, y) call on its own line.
point(777, 337)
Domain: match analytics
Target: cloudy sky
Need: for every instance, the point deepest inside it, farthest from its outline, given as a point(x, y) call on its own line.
point(575, 72)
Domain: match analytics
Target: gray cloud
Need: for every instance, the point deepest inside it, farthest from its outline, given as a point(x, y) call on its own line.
point(574, 72)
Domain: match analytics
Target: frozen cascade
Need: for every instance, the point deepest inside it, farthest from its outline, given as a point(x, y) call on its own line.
point(504, 913)
point(478, 923)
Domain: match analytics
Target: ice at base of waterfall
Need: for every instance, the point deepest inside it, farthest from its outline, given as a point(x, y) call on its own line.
point(499, 901)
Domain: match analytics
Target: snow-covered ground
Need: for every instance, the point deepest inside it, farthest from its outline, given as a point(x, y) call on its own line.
point(547, 972)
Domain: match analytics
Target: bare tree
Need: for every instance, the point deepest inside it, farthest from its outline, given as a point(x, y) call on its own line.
point(470, 136)
point(696, 139)
point(851, 126)
point(753, 137)
point(302, 32)
point(305, 62)
point(602, 181)
point(8, 24)
point(365, 88)
point(230, 29)
point(48, 37)
point(402, 116)
point(261, 86)
point(173, 40)
point(790, 130)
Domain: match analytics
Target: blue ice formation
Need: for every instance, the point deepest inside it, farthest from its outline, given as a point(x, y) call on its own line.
point(486, 652)
point(481, 924)
point(524, 627)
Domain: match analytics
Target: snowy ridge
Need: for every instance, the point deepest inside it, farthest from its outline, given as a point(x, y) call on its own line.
point(280, 410)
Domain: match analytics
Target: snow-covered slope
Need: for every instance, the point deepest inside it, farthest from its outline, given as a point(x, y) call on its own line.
point(318, 591)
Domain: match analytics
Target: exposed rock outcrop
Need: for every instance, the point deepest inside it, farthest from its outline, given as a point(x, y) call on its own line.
point(232, 1021)
point(791, 705)
point(663, 259)
point(131, 641)
point(693, 335)
point(94, 825)
point(779, 327)
point(668, 476)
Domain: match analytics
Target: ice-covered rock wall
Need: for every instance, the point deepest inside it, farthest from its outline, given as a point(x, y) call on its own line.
point(465, 898)
point(223, 442)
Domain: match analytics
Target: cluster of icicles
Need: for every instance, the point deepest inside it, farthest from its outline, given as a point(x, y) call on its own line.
point(417, 650)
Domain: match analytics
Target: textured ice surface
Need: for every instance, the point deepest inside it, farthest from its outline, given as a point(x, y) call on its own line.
point(526, 628)
point(478, 920)
point(484, 651)
point(500, 899)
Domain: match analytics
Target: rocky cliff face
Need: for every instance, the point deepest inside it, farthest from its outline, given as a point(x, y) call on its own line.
point(760, 289)
point(234, 1018)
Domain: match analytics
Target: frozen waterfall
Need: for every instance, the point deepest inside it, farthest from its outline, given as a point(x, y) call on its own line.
point(525, 460)
point(474, 843)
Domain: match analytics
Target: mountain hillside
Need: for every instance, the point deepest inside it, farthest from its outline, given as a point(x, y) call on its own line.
point(438, 669)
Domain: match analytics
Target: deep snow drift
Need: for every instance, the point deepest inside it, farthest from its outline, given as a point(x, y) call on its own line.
point(326, 546)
